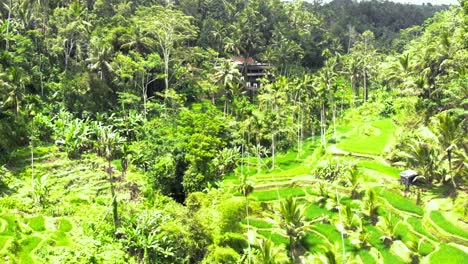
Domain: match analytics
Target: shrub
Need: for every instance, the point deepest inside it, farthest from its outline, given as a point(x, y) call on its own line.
point(221, 255)
point(65, 225)
point(235, 241)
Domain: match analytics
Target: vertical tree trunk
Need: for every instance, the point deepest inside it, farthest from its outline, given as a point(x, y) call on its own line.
point(114, 198)
point(7, 43)
point(273, 150)
point(365, 85)
point(334, 120)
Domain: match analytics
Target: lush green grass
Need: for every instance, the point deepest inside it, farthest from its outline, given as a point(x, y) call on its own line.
point(418, 227)
point(374, 240)
point(314, 211)
point(37, 223)
point(426, 248)
point(3, 241)
point(314, 242)
point(275, 238)
point(10, 225)
point(378, 166)
point(273, 194)
point(258, 223)
point(448, 254)
point(28, 245)
point(368, 139)
point(399, 202)
point(366, 257)
point(404, 233)
point(446, 225)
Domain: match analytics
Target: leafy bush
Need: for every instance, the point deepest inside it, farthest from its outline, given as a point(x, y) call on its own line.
point(73, 134)
point(65, 225)
point(221, 255)
point(235, 241)
point(43, 128)
point(331, 169)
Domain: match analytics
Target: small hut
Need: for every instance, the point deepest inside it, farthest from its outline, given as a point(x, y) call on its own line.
point(407, 177)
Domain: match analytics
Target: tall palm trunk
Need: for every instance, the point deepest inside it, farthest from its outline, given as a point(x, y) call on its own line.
point(7, 43)
point(273, 150)
point(114, 198)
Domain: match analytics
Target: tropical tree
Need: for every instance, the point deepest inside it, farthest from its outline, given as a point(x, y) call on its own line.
point(353, 179)
point(168, 28)
point(449, 133)
point(269, 253)
point(423, 157)
point(144, 236)
point(371, 205)
point(109, 142)
point(291, 222)
point(99, 58)
point(228, 77)
point(388, 224)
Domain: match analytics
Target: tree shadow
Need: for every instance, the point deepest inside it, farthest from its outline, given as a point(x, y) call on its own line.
point(5, 189)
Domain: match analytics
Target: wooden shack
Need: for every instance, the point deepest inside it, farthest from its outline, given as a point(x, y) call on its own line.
point(407, 177)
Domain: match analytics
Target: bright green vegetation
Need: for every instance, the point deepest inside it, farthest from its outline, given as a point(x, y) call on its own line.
point(368, 139)
point(399, 202)
point(448, 254)
point(275, 194)
point(417, 225)
point(446, 225)
point(240, 131)
point(378, 166)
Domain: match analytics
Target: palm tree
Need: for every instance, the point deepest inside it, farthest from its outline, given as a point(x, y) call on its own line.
point(138, 39)
point(353, 178)
point(15, 81)
point(291, 222)
point(422, 156)
point(269, 253)
point(109, 141)
point(99, 58)
point(245, 188)
point(228, 76)
point(372, 205)
point(388, 225)
point(449, 133)
point(331, 255)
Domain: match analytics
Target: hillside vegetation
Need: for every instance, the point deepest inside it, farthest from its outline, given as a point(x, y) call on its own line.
point(212, 131)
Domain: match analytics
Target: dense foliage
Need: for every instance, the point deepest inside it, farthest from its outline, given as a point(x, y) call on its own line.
point(129, 135)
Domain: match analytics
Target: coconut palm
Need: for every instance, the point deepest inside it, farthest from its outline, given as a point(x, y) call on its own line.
point(353, 178)
point(228, 76)
point(388, 224)
point(371, 205)
point(291, 222)
point(423, 157)
point(99, 58)
point(109, 140)
point(449, 133)
point(269, 253)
